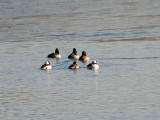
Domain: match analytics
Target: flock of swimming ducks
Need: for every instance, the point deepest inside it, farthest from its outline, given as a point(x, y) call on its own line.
point(74, 56)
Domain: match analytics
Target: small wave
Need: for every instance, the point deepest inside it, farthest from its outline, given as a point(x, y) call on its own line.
point(130, 39)
point(131, 58)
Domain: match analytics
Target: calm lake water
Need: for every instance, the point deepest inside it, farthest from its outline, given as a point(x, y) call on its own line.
point(122, 35)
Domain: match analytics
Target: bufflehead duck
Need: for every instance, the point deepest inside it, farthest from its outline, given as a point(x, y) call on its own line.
point(94, 65)
point(73, 66)
point(55, 55)
point(74, 55)
point(84, 57)
point(46, 66)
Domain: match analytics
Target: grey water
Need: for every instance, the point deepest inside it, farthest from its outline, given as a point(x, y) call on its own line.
point(122, 35)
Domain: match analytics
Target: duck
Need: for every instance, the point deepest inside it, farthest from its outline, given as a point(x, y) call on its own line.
point(73, 66)
point(94, 65)
point(74, 55)
point(55, 55)
point(46, 66)
point(84, 57)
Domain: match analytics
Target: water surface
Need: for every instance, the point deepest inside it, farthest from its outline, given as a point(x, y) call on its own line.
point(123, 36)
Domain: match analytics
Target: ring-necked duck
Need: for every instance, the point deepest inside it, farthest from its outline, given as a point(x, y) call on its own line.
point(74, 55)
point(55, 55)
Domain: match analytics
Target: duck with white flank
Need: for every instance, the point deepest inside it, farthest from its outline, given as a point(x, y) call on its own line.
point(46, 66)
point(84, 57)
point(74, 55)
point(94, 65)
point(55, 55)
point(73, 66)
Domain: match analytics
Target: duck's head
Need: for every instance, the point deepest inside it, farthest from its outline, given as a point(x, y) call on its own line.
point(94, 62)
point(74, 51)
point(57, 51)
point(84, 53)
point(47, 62)
point(74, 62)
